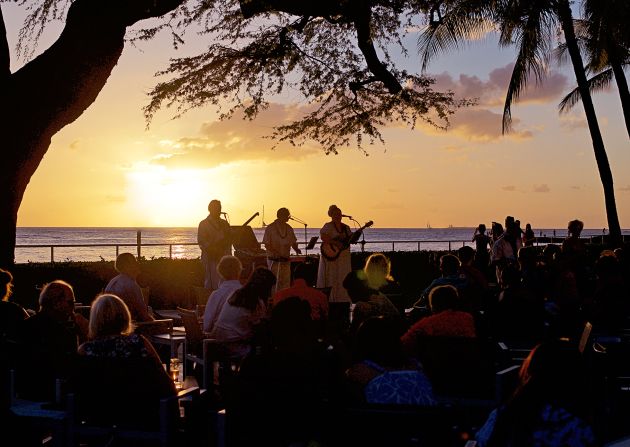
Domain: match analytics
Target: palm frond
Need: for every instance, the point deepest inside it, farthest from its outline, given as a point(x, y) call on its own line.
point(597, 83)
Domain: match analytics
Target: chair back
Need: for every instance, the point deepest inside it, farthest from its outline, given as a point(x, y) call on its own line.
point(120, 392)
point(194, 334)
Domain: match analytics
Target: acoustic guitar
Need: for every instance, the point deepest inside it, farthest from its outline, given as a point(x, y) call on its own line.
point(331, 250)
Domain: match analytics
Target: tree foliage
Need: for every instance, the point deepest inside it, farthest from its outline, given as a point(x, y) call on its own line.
point(324, 56)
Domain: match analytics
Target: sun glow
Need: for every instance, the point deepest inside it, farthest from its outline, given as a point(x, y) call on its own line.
point(165, 197)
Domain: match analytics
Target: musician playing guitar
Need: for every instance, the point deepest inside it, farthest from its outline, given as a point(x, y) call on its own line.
point(334, 263)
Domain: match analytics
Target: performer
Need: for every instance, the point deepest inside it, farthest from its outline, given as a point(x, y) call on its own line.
point(279, 238)
point(215, 241)
point(334, 263)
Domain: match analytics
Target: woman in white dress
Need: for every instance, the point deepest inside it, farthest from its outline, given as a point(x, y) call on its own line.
point(334, 262)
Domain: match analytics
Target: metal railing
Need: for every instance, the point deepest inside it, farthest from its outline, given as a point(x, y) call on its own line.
point(450, 244)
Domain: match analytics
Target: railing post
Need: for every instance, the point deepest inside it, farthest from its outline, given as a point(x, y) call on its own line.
point(418, 246)
point(449, 245)
point(393, 248)
point(52, 254)
point(170, 251)
point(139, 242)
point(117, 250)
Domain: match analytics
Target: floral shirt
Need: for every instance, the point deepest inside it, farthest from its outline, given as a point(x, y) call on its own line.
point(118, 346)
point(556, 427)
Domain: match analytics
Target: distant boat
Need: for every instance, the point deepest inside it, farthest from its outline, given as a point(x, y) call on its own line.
point(429, 225)
point(450, 226)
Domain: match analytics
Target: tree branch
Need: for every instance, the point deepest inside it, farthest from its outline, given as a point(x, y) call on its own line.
point(364, 38)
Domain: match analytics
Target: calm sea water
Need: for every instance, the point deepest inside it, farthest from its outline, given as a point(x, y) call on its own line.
point(377, 239)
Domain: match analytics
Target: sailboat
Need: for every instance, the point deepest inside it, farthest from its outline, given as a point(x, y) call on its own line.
point(429, 225)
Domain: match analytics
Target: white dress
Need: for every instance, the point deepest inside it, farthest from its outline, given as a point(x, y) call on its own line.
point(332, 273)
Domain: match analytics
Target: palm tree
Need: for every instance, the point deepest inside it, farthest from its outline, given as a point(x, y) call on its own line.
point(605, 36)
point(531, 26)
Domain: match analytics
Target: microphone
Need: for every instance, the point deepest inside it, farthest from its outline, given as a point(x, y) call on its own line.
point(224, 213)
point(345, 215)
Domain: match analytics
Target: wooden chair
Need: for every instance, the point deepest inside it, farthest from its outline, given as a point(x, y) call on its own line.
point(116, 399)
point(208, 353)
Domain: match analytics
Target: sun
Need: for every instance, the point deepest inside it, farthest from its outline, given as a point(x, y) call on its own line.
point(174, 198)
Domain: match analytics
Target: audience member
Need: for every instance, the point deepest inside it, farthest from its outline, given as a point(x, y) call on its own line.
point(528, 236)
point(610, 307)
point(367, 301)
point(49, 340)
point(381, 373)
point(378, 271)
point(118, 372)
point(449, 267)
point(11, 314)
point(229, 269)
point(242, 312)
point(125, 286)
point(300, 288)
point(549, 406)
point(446, 320)
point(482, 242)
point(505, 248)
point(474, 294)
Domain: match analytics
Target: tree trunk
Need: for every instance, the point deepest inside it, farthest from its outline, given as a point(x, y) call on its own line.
point(605, 174)
point(624, 93)
point(54, 89)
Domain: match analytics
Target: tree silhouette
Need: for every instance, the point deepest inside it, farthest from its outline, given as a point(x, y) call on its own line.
point(334, 53)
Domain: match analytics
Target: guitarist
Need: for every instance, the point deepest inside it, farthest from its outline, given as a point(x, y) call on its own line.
point(215, 241)
point(334, 264)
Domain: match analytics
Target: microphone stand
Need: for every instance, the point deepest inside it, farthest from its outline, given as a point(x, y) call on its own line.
point(305, 237)
point(362, 234)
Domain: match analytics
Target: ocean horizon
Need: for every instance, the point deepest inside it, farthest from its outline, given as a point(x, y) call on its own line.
point(99, 243)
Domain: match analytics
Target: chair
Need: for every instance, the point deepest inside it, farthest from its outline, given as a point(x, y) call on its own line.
point(145, 294)
point(325, 290)
point(211, 354)
point(116, 399)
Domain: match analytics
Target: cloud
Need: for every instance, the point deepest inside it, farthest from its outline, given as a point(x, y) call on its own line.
point(576, 187)
point(509, 188)
point(75, 145)
point(541, 188)
point(625, 188)
point(484, 125)
point(223, 142)
point(573, 121)
point(388, 206)
point(491, 92)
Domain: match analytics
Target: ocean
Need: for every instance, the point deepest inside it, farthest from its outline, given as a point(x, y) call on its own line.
point(103, 241)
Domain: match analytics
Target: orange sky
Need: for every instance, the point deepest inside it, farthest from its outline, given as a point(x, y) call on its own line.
point(106, 169)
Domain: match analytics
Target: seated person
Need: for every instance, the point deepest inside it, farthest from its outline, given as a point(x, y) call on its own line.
point(367, 301)
point(377, 270)
point(549, 406)
point(290, 378)
point(229, 270)
point(445, 321)
point(449, 266)
point(300, 288)
point(242, 312)
point(11, 314)
point(48, 341)
point(116, 364)
point(381, 373)
point(125, 286)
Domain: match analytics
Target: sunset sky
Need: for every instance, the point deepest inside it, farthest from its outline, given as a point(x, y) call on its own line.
point(106, 169)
